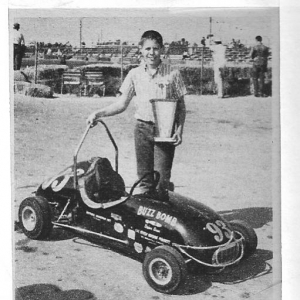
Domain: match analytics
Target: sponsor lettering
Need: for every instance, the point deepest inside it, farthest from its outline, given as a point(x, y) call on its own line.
point(145, 211)
point(149, 236)
point(152, 236)
point(161, 216)
point(165, 241)
point(116, 217)
point(148, 227)
point(153, 223)
point(97, 217)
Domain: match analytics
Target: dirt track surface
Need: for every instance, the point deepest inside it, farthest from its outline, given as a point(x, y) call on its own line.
point(227, 161)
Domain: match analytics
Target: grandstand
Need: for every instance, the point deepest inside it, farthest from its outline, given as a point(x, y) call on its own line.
point(238, 54)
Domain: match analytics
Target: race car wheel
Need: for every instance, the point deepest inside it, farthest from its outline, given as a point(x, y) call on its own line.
point(164, 269)
point(249, 235)
point(35, 218)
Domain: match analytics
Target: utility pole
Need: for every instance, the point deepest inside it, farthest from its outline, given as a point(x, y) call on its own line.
point(210, 29)
point(80, 35)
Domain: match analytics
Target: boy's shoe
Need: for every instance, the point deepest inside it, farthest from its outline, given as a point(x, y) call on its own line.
point(163, 195)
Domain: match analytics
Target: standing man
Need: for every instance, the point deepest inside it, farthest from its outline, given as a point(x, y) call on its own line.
point(19, 47)
point(259, 54)
point(219, 62)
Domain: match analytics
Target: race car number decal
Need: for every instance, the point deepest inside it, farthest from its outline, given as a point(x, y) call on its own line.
point(59, 181)
point(219, 229)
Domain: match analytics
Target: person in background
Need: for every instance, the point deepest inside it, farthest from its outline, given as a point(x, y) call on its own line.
point(219, 61)
point(142, 84)
point(49, 51)
point(203, 41)
point(185, 55)
point(19, 46)
point(259, 54)
point(59, 53)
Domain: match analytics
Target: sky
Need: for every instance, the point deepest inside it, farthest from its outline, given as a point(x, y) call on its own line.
point(63, 25)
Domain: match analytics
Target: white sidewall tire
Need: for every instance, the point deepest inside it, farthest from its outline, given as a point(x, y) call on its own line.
point(35, 217)
point(175, 269)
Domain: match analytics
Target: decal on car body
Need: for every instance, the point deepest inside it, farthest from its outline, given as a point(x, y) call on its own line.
point(116, 217)
point(138, 247)
point(118, 227)
point(97, 217)
point(60, 180)
point(219, 229)
point(131, 234)
point(149, 212)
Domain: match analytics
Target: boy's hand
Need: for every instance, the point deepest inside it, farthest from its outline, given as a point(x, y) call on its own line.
point(178, 138)
point(92, 119)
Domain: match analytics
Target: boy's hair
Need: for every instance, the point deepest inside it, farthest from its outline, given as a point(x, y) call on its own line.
point(152, 35)
point(258, 38)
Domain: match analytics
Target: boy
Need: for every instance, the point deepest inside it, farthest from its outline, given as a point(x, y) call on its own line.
point(144, 83)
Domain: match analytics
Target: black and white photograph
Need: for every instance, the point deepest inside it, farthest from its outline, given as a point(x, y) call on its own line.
point(145, 153)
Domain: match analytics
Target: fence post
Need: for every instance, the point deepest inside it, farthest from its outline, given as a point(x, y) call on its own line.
point(35, 62)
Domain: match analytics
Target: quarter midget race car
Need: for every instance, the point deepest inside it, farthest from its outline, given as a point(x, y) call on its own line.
point(89, 197)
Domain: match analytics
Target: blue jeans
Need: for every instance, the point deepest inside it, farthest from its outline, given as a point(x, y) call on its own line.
point(152, 156)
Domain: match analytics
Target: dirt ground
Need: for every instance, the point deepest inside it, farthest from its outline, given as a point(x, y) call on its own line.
point(228, 160)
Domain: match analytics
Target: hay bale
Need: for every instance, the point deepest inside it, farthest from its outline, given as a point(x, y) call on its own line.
point(39, 90)
point(33, 90)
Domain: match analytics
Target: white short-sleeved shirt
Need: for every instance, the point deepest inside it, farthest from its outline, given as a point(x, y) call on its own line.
point(164, 84)
point(18, 38)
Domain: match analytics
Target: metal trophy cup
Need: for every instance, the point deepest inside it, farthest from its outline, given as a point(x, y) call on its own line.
point(164, 107)
point(164, 116)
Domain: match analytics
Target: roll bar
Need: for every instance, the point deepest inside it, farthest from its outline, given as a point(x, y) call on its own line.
point(81, 142)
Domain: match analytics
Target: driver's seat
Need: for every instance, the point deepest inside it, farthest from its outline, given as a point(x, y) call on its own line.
point(101, 183)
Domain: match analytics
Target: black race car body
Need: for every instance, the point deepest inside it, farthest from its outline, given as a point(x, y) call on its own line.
point(139, 222)
point(90, 197)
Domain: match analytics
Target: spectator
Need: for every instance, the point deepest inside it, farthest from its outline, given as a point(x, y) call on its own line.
point(259, 54)
point(19, 47)
point(142, 85)
point(49, 51)
point(62, 58)
point(219, 62)
point(185, 55)
point(203, 41)
point(59, 53)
